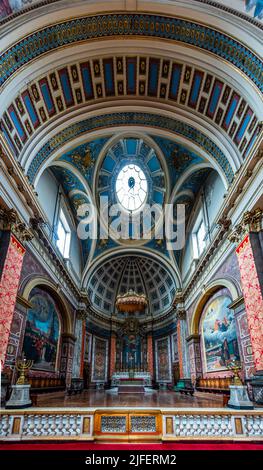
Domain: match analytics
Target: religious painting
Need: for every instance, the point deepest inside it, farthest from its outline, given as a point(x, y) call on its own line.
point(99, 360)
point(219, 334)
point(42, 331)
point(163, 360)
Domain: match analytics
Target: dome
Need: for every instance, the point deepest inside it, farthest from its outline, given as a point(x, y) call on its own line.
point(142, 275)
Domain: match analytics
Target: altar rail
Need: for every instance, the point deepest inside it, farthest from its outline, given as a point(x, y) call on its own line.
point(131, 425)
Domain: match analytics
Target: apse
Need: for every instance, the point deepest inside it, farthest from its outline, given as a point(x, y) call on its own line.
point(141, 274)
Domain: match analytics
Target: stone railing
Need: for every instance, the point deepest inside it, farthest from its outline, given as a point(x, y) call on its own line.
point(124, 424)
point(216, 424)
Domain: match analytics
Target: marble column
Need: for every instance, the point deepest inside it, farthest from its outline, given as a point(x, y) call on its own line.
point(181, 343)
point(194, 353)
point(79, 347)
point(66, 361)
point(248, 235)
point(13, 235)
point(112, 353)
point(150, 354)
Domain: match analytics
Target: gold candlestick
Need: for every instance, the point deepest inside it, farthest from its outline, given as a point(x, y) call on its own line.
point(235, 367)
point(23, 365)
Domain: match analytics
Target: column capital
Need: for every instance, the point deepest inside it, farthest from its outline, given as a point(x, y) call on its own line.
point(81, 314)
point(84, 300)
point(180, 314)
point(10, 220)
point(68, 338)
point(251, 222)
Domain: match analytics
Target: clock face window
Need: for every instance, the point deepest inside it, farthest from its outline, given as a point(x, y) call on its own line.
point(131, 187)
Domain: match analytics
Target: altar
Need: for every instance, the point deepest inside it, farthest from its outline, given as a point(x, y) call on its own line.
point(121, 378)
point(131, 373)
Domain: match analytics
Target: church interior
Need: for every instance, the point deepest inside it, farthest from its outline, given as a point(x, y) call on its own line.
point(148, 327)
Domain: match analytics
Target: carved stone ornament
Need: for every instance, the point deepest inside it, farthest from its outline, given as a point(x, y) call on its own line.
point(179, 297)
point(180, 314)
point(251, 222)
point(10, 220)
point(82, 315)
point(131, 326)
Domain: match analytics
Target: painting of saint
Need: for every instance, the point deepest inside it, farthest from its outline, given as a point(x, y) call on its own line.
point(42, 331)
point(219, 334)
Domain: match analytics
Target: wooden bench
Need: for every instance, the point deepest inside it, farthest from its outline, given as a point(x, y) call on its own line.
point(184, 386)
point(46, 384)
point(214, 385)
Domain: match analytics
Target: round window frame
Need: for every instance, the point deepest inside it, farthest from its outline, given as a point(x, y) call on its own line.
point(121, 169)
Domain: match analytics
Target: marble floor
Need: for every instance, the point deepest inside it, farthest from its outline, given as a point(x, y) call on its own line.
point(162, 399)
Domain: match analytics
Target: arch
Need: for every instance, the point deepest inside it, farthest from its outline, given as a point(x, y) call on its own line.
point(67, 320)
point(212, 287)
point(202, 140)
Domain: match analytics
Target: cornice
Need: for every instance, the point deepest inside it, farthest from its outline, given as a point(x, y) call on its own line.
point(18, 180)
point(60, 269)
point(24, 302)
point(195, 338)
point(239, 185)
point(237, 303)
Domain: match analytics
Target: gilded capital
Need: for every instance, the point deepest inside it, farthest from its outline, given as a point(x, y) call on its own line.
point(251, 222)
point(180, 314)
point(10, 220)
point(82, 314)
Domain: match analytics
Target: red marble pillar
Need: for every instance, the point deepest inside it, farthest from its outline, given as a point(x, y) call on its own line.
point(112, 353)
point(252, 298)
point(150, 354)
point(11, 260)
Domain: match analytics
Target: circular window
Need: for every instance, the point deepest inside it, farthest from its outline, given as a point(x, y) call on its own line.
point(131, 187)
